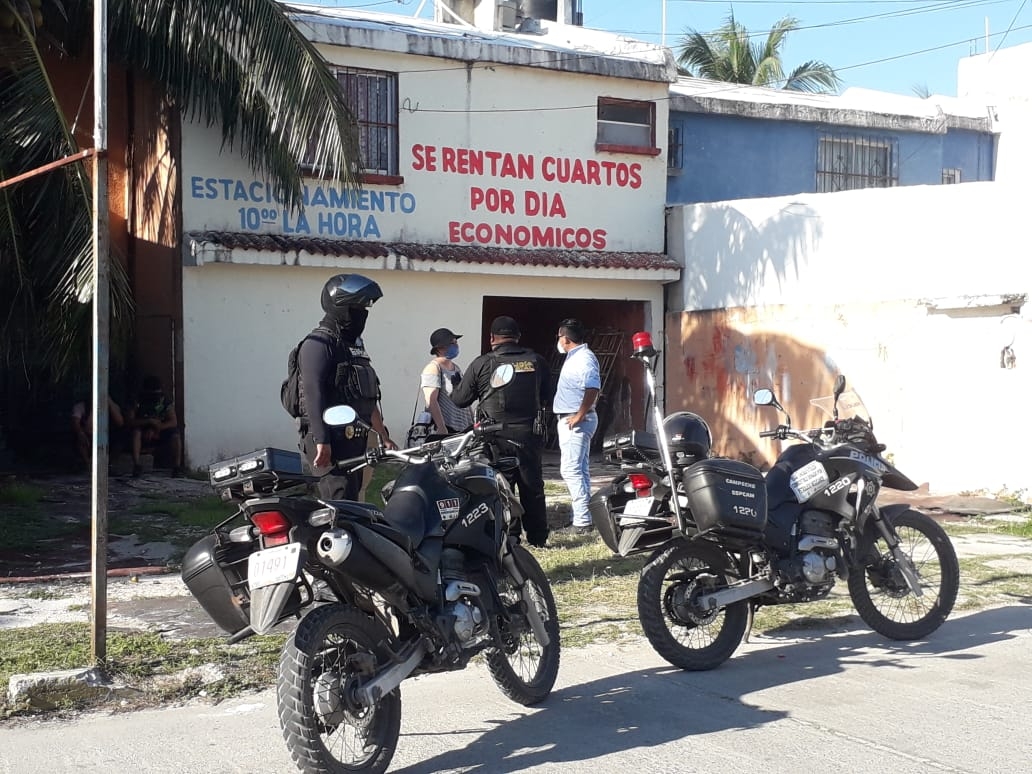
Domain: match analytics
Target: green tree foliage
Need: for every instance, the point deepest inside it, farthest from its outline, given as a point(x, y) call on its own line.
point(240, 65)
point(729, 54)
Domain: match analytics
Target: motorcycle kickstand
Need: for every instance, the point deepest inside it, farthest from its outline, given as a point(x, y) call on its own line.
point(749, 622)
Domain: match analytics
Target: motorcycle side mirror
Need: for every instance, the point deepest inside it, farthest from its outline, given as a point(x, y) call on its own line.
point(502, 376)
point(840, 385)
point(338, 416)
point(764, 397)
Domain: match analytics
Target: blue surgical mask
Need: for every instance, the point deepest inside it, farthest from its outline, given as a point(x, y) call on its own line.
point(452, 352)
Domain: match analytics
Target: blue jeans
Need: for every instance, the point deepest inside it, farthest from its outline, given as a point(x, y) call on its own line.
point(574, 447)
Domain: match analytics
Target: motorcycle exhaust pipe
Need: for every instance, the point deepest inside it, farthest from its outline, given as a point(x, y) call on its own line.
point(334, 546)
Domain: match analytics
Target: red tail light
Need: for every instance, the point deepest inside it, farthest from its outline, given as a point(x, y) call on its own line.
point(642, 484)
point(270, 523)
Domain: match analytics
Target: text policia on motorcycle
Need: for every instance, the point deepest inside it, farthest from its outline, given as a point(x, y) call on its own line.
point(434, 579)
point(722, 540)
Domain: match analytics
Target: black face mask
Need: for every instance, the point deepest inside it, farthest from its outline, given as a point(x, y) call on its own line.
point(350, 321)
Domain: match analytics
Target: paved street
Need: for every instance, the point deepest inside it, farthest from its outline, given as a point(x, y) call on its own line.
point(827, 701)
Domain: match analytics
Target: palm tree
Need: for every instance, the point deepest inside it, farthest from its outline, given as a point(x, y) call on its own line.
point(241, 65)
point(729, 55)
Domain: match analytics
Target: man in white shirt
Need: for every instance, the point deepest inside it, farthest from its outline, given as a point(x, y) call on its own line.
point(574, 407)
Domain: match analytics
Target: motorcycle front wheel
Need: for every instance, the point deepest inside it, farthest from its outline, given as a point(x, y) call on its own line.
point(880, 592)
point(522, 669)
point(677, 627)
point(327, 731)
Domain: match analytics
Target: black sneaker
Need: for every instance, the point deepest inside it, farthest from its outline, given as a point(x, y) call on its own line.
point(137, 470)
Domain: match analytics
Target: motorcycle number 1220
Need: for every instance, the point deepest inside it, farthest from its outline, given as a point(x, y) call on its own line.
point(273, 565)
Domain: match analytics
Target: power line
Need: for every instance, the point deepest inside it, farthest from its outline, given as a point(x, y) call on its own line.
point(1005, 34)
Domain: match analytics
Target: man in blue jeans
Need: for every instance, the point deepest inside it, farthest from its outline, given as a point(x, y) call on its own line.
point(574, 407)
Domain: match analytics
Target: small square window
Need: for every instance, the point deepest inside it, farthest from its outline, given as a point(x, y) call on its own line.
point(950, 176)
point(846, 163)
point(626, 126)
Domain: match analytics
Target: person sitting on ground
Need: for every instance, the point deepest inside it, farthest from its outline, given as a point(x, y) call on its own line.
point(82, 427)
point(154, 425)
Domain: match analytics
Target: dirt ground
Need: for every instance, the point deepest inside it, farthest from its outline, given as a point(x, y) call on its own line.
point(133, 508)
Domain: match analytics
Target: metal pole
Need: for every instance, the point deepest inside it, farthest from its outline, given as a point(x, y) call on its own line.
point(663, 2)
point(101, 325)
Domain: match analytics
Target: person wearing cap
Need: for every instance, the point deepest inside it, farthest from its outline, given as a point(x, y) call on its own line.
point(574, 408)
point(516, 405)
point(439, 379)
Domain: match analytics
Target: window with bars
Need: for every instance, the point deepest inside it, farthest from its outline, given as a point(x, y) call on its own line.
point(950, 175)
point(372, 96)
point(675, 145)
point(846, 163)
point(626, 126)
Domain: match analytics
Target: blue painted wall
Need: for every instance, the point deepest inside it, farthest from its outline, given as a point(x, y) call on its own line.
point(730, 157)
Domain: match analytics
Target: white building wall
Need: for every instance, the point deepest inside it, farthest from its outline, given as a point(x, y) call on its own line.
point(450, 113)
point(244, 312)
point(907, 291)
point(241, 321)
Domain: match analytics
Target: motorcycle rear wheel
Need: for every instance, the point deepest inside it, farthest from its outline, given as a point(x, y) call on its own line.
point(880, 593)
point(326, 731)
point(679, 631)
point(523, 670)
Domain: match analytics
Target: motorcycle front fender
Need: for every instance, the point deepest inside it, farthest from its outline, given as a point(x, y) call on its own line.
point(268, 604)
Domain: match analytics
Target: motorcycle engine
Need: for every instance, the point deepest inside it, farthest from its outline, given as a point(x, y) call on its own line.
point(469, 618)
point(816, 560)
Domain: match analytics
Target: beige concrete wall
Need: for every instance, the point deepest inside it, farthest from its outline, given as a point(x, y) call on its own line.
point(240, 321)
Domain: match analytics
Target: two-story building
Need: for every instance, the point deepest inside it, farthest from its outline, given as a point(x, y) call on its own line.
point(518, 169)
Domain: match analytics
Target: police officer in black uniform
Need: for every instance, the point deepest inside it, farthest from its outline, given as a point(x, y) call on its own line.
point(517, 405)
point(335, 369)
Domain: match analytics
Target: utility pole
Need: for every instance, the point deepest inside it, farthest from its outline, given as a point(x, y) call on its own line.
point(101, 335)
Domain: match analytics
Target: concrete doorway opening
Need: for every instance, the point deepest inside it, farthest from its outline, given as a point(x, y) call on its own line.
point(610, 325)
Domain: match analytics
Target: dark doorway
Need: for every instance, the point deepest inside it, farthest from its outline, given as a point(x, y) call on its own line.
point(610, 325)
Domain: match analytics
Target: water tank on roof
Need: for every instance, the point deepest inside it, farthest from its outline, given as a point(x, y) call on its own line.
point(541, 9)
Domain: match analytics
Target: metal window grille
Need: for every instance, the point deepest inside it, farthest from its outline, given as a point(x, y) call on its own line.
point(626, 122)
point(372, 97)
point(675, 147)
point(950, 176)
point(848, 163)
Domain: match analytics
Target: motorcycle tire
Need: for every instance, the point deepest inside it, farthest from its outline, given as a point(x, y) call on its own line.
point(881, 594)
point(326, 731)
point(682, 633)
point(524, 670)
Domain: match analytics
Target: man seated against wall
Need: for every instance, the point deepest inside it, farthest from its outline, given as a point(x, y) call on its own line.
point(82, 427)
point(154, 427)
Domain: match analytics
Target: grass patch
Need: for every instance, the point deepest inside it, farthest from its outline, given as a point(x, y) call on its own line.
point(154, 665)
point(25, 528)
point(20, 494)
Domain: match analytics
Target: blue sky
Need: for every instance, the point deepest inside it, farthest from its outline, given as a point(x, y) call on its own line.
point(873, 44)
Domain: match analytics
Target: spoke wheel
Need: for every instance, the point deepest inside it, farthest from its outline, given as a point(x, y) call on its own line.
point(326, 729)
point(683, 633)
point(880, 591)
point(522, 669)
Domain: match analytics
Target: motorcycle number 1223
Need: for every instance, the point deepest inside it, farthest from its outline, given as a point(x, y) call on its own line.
point(273, 565)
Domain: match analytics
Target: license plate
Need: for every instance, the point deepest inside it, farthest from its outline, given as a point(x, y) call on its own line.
point(273, 565)
point(641, 506)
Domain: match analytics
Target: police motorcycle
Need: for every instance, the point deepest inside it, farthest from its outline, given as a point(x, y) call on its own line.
point(722, 540)
point(422, 586)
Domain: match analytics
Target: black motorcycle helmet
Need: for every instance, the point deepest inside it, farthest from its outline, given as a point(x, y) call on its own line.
point(689, 437)
point(347, 290)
